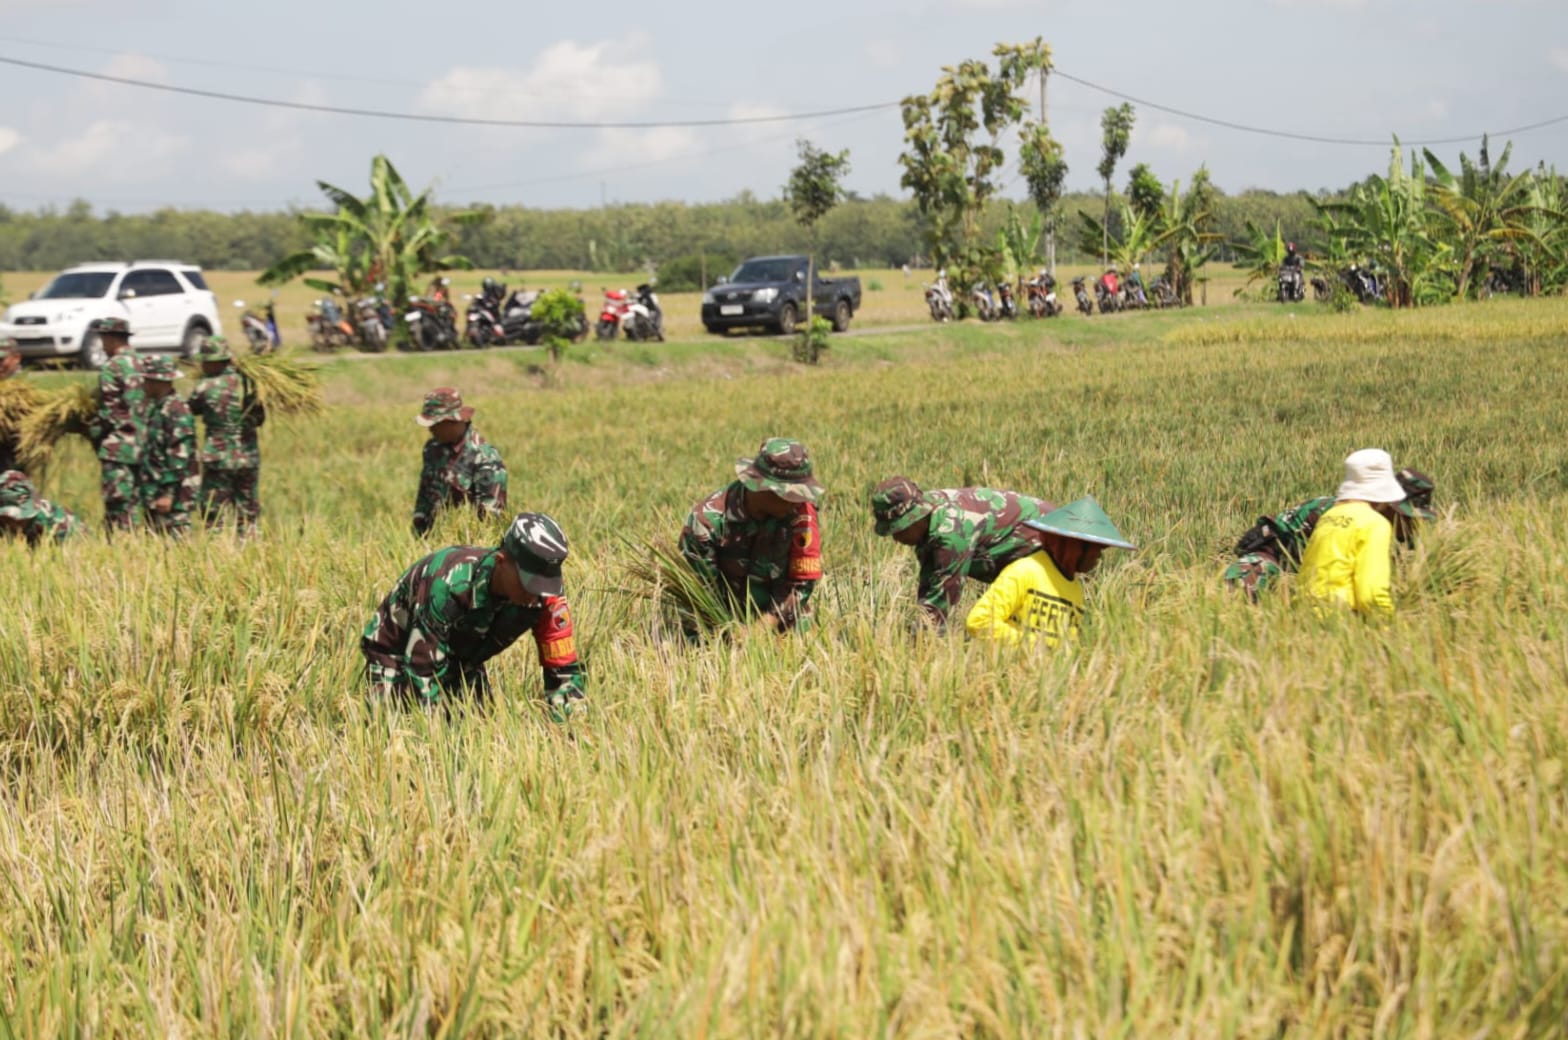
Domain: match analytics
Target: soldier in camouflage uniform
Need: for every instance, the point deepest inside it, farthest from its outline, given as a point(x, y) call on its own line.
point(1274, 544)
point(24, 514)
point(119, 425)
point(956, 533)
point(458, 607)
point(231, 455)
point(170, 473)
point(460, 467)
point(756, 541)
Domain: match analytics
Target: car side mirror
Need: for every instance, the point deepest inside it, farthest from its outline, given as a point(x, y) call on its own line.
point(800, 276)
point(127, 294)
point(724, 279)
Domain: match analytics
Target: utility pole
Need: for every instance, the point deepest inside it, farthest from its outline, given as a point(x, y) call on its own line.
point(1050, 218)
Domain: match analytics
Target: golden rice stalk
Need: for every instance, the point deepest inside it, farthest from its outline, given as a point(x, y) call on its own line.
point(18, 398)
point(56, 414)
point(285, 384)
point(659, 572)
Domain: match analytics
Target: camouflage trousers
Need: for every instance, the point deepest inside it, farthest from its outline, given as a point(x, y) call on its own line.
point(387, 682)
point(120, 499)
point(236, 488)
point(1254, 573)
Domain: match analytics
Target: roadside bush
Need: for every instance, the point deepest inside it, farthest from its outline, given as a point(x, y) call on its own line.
point(684, 273)
point(561, 319)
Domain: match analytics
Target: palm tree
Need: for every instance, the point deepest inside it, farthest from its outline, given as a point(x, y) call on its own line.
point(388, 238)
point(1479, 210)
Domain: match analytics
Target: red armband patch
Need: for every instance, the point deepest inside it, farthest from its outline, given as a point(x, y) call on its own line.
point(553, 634)
point(805, 546)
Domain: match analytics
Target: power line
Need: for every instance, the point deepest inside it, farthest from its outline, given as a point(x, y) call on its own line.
point(1313, 138)
point(415, 117)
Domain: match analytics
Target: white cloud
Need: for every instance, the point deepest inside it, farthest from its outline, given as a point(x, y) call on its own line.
point(618, 148)
point(1168, 135)
point(9, 139)
point(108, 147)
point(1560, 58)
point(276, 144)
point(611, 79)
point(883, 54)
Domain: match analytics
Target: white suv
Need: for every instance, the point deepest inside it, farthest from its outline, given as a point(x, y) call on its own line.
point(167, 303)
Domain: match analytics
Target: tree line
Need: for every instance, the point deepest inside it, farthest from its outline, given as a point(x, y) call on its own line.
point(875, 231)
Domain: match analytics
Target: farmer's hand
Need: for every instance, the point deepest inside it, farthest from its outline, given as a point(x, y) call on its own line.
point(163, 505)
point(565, 704)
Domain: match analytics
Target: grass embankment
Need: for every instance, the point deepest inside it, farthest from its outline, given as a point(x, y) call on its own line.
point(1210, 820)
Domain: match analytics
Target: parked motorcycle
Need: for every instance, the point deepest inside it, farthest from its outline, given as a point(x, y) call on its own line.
point(327, 326)
point(1163, 294)
point(1041, 296)
point(1321, 290)
point(1081, 294)
point(260, 332)
point(1108, 301)
point(431, 324)
point(1292, 289)
point(373, 327)
point(984, 303)
point(1362, 283)
point(482, 324)
point(645, 319)
point(1006, 302)
point(939, 298)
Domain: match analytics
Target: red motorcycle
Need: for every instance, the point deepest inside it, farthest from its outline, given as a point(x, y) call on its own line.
point(617, 305)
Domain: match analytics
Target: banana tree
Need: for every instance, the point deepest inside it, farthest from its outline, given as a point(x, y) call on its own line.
point(390, 237)
point(1186, 232)
point(1259, 254)
point(1479, 211)
point(1385, 222)
point(1543, 253)
point(1138, 236)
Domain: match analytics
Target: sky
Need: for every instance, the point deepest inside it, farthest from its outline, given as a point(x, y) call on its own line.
point(1361, 70)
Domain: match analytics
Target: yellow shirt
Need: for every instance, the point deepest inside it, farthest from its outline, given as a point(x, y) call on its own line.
point(1029, 601)
point(1347, 560)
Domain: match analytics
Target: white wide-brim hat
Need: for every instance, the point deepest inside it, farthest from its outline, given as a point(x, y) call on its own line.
point(1369, 477)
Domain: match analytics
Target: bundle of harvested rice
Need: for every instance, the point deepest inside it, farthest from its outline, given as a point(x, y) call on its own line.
point(660, 573)
point(55, 415)
point(285, 384)
point(18, 397)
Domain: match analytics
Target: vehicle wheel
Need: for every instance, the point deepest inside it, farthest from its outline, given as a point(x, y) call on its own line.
point(605, 329)
point(787, 319)
point(841, 316)
point(92, 355)
point(191, 343)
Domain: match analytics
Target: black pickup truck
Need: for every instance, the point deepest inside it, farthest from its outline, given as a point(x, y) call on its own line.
point(770, 292)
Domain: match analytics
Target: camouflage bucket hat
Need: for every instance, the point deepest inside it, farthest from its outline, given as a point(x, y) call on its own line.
point(1418, 494)
point(160, 369)
point(214, 348)
point(898, 503)
point(1083, 520)
point(783, 467)
point(536, 545)
point(18, 497)
point(113, 327)
point(441, 404)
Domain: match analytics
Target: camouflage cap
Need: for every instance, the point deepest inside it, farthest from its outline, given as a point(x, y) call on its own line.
point(1083, 520)
point(112, 327)
point(214, 348)
point(536, 545)
point(18, 497)
point(160, 369)
point(898, 503)
point(783, 467)
point(441, 404)
point(1418, 494)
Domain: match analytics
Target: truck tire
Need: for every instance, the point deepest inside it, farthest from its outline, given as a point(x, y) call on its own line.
point(787, 319)
point(841, 316)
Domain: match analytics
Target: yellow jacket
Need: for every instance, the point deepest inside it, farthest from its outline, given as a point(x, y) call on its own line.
point(1347, 560)
point(1029, 601)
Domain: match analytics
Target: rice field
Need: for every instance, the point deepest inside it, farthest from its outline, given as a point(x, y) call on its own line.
point(1208, 820)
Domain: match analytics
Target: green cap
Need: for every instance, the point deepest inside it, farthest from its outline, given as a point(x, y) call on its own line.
point(783, 467)
point(214, 348)
point(18, 497)
point(112, 327)
point(1083, 520)
point(161, 369)
point(536, 545)
point(898, 503)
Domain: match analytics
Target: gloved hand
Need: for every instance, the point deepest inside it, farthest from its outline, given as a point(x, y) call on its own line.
point(566, 703)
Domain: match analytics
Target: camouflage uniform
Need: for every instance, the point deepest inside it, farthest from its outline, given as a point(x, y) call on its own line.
point(762, 564)
point(231, 453)
point(117, 430)
point(974, 533)
point(434, 632)
point(1274, 544)
point(169, 466)
point(468, 472)
point(42, 520)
